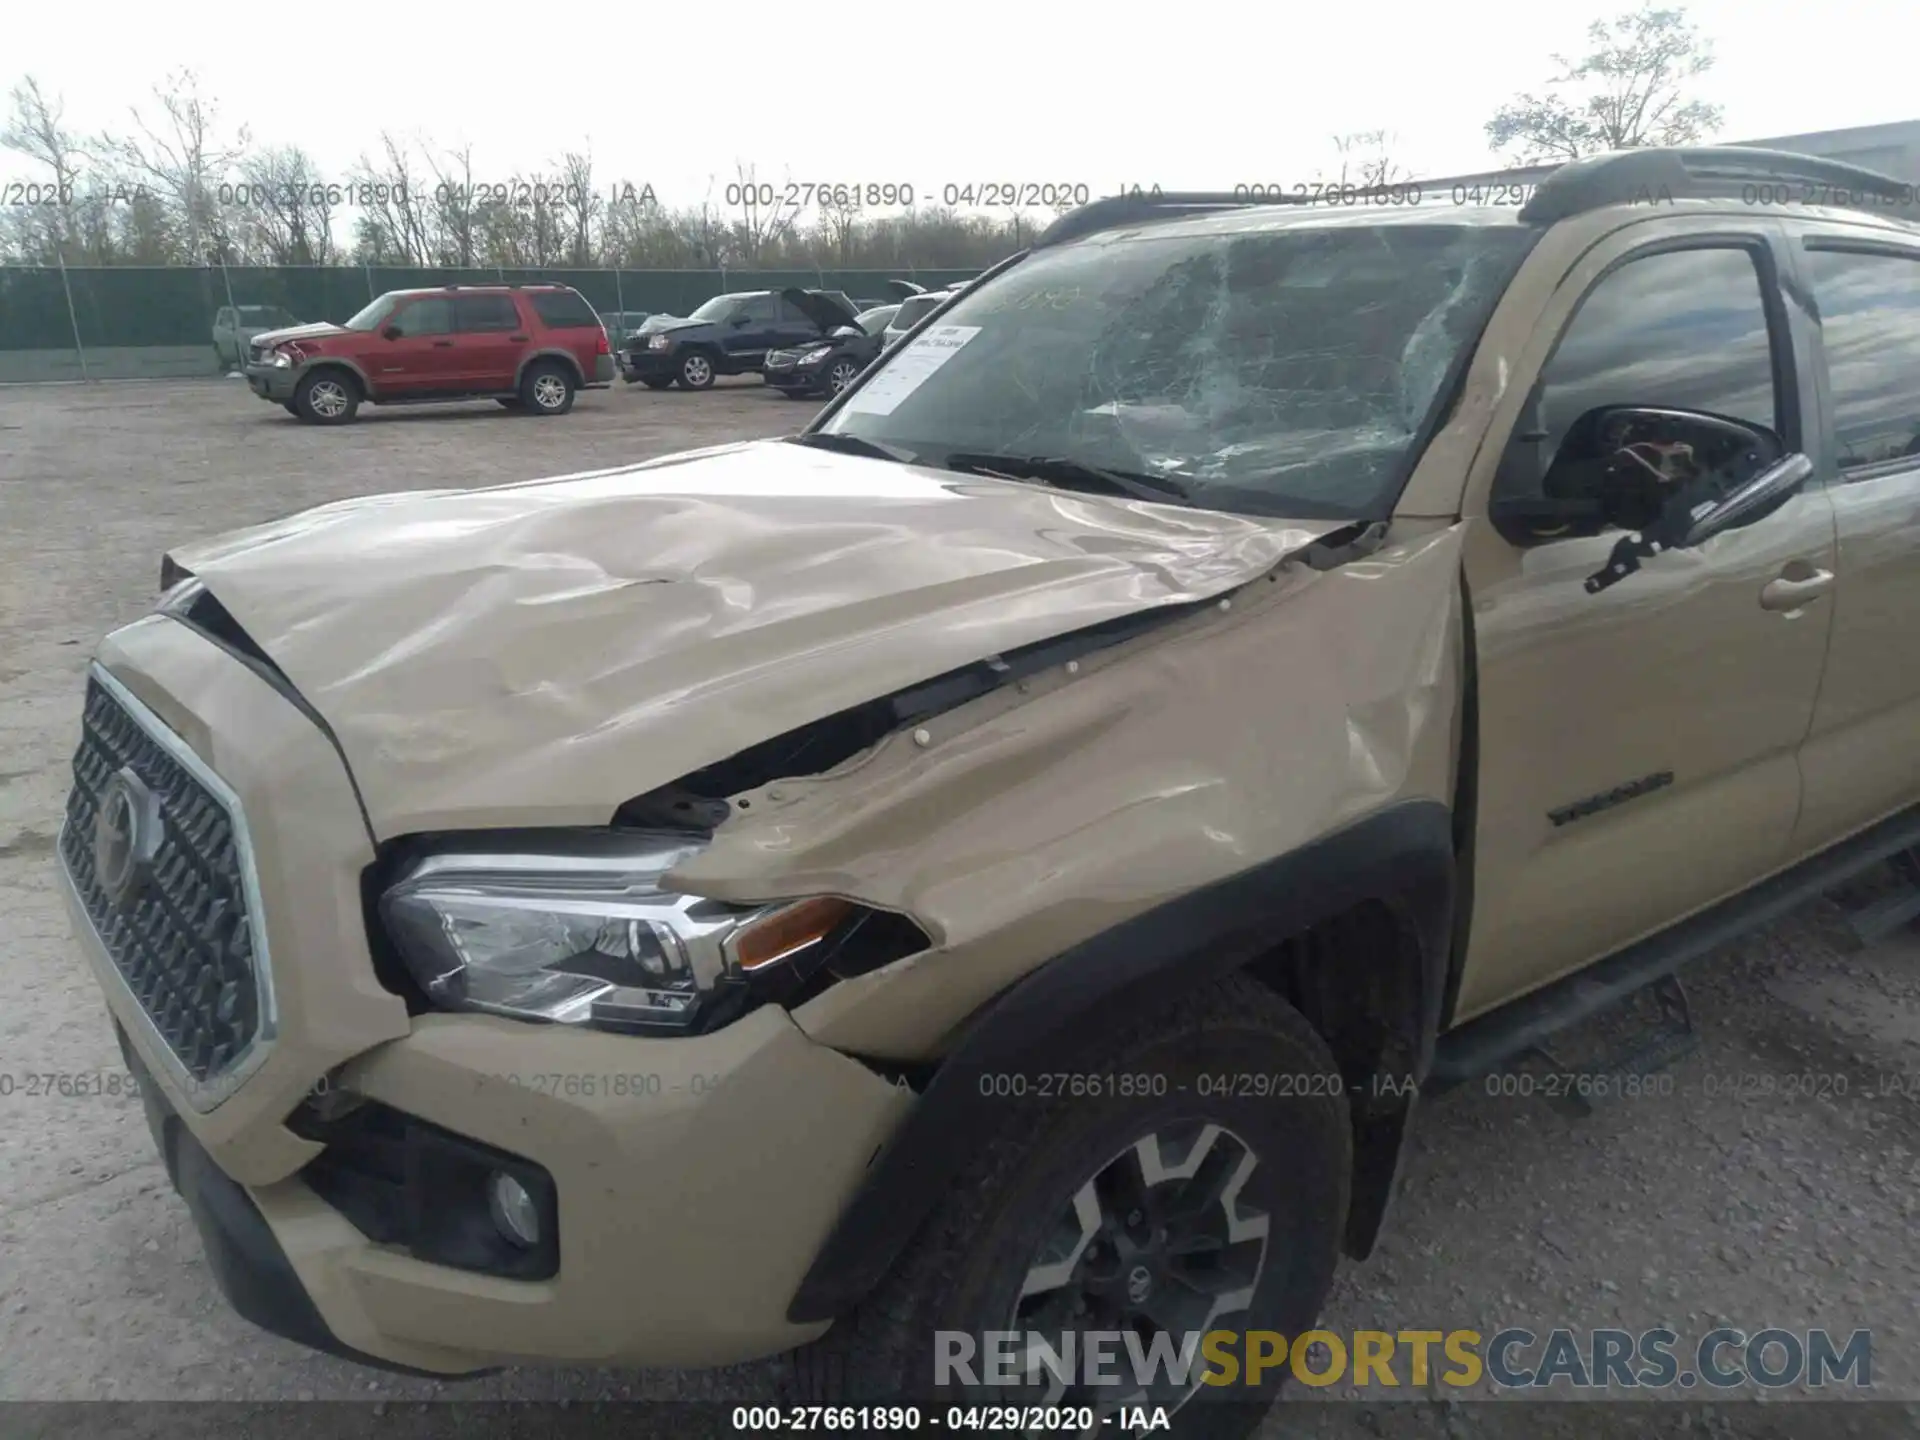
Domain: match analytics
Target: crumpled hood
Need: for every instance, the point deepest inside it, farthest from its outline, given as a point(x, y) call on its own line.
point(653, 325)
point(312, 331)
point(536, 654)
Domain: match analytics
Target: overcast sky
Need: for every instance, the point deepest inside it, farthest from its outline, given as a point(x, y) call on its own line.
point(1194, 94)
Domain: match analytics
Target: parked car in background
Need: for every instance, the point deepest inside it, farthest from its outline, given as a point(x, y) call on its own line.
point(835, 362)
point(730, 335)
point(530, 347)
point(912, 311)
point(235, 325)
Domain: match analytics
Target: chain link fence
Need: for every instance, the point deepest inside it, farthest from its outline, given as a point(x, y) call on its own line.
point(136, 322)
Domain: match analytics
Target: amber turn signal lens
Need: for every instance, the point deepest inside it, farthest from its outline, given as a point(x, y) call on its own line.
point(788, 931)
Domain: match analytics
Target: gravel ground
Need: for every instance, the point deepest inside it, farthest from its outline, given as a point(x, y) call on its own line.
point(1771, 1183)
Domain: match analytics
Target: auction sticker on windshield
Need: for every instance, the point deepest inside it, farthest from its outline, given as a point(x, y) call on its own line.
point(909, 369)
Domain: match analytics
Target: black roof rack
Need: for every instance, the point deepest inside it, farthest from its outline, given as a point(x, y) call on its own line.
point(1655, 176)
point(509, 285)
point(1117, 210)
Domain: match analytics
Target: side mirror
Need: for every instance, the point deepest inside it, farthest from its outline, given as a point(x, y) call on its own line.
point(1636, 468)
point(392, 332)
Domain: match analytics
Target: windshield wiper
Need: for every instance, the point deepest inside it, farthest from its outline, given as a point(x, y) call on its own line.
point(1067, 473)
point(848, 445)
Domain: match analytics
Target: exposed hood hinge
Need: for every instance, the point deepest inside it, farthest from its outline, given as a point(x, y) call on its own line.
point(1356, 542)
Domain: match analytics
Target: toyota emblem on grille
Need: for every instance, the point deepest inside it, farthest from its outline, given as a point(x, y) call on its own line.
point(126, 835)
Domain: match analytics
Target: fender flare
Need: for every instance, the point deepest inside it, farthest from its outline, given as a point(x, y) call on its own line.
point(565, 357)
point(1402, 855)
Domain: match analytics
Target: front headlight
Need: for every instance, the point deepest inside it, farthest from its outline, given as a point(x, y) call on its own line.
point(818, 353)
point(580, 933)
point(659, 342)
point(280, 359)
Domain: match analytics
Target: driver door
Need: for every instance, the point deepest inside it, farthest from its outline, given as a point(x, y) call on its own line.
point(417, 358)
point(1638, 744)
point(750, 332)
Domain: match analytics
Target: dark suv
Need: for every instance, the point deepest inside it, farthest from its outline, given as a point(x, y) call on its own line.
point(730, 335)
point(530, 347)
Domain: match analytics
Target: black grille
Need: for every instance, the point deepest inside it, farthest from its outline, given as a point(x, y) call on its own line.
point(181, 940)
point(256, 353)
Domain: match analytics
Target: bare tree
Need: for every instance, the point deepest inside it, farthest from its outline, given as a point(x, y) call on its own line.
point(396, 225)
point(449, 207)
point(766, 217)
point(580, 207)
point(159, 194)
point(180, 151)
point(36, 129)
point(1628, 91)
point(838, 228)
point(285, 214)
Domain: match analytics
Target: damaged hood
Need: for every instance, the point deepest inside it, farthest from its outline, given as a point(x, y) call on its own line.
point(536, 654)
point(312, 331)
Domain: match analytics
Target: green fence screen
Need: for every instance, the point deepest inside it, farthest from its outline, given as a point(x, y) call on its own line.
point(131, 322)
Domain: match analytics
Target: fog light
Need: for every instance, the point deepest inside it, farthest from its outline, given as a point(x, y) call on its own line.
point(513, 1210)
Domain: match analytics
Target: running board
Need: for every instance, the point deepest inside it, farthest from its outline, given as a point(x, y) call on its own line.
point(1580, 1089)
point(1482, 1045)
point(1881, 918)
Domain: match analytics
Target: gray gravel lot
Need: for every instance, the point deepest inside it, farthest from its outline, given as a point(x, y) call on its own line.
point(1715, 1201)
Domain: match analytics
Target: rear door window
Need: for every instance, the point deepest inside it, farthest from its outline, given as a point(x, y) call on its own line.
point(485, 313)
point(1870, 324)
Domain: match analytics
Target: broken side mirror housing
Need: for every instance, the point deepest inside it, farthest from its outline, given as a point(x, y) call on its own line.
point(1627, 467)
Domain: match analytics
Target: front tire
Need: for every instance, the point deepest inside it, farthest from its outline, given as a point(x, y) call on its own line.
point(696, 371)
point(842, 374)
point(546, 389)
point(327, 397)
point(1195, 1207)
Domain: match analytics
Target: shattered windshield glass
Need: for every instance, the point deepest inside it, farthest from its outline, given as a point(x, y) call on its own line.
point(1282, 371)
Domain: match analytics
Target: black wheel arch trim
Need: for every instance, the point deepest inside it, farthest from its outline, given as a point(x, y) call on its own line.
point(1402, 855)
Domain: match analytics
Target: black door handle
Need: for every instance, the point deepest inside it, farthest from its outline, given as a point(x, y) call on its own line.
point(443, 344)
point(516, 337)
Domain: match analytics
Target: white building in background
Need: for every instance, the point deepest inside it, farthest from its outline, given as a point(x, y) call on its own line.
point(1891, 149)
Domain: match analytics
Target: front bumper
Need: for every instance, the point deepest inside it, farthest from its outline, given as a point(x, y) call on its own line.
point(796, 379)
point(273, 382)
point(638, 365)
point(695, 1179)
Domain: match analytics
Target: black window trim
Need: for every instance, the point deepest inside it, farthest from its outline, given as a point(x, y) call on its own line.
point(1786, 379)
point(1883, 247)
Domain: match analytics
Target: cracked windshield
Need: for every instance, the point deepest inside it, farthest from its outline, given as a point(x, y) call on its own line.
point(1281, 370)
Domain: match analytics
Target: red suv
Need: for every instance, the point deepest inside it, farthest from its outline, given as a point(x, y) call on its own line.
point(531, 347)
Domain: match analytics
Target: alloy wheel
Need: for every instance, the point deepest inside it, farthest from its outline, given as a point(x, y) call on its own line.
point(696, 370)
point(1158, 1242)
point(549, 392)
point(327, 399)
point(842, 375)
